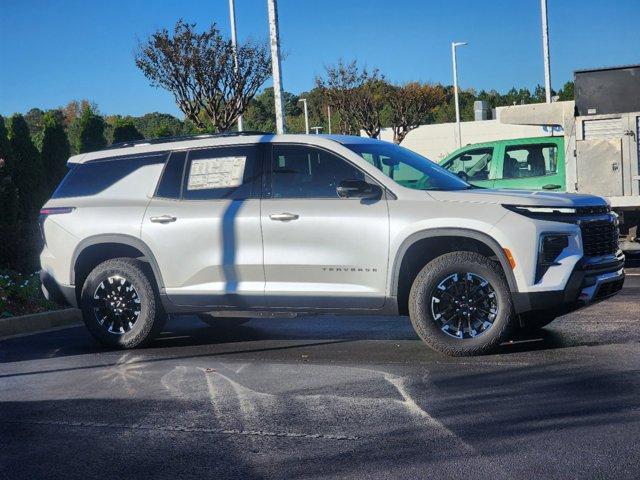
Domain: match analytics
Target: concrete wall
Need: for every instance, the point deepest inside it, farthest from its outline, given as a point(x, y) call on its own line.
point(438, 140)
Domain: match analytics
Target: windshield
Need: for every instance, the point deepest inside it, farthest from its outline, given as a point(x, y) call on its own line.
point(407, 168)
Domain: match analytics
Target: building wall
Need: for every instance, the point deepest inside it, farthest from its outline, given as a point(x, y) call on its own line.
point(438, 140)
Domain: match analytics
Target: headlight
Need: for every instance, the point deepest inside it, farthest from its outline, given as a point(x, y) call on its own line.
point(541, 210)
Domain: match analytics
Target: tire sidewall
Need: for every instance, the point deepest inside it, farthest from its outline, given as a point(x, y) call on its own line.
point(420, 303)
point(132, 271)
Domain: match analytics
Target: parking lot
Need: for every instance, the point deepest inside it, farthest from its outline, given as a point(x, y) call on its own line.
point(349, 397)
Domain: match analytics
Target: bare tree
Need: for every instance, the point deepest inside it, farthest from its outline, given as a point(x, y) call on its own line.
point(410, 104)
point(357, 95)
point(198, 69)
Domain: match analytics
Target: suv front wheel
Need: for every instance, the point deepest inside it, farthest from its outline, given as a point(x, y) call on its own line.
point(460, 304)
point(119, 305)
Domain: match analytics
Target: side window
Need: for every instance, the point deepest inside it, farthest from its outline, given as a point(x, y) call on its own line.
point(522, 161)
point(472, 164)
point(300, 171)
point(171, 181)
point(222, 173)
point(96, 176)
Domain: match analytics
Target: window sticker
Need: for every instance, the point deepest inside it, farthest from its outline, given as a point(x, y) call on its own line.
point(221, 172)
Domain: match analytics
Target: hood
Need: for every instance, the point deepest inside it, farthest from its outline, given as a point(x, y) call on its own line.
point(519, 197)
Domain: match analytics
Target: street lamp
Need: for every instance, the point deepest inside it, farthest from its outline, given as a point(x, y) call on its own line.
point(234, 42)
point(545, 50)
point(454, 45)
point(274, 40)
point(306, 115)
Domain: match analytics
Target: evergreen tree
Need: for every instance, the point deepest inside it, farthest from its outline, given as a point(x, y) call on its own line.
point(55, 151)
point(27, 172)
point(91, 132)
point(8, 193)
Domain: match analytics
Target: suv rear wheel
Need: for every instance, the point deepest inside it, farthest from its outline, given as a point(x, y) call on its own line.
point(460, 304)
point(119, 305)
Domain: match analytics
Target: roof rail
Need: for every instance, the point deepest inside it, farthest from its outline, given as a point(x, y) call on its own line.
point(179, 138)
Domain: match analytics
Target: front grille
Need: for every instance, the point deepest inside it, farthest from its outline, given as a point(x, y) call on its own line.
point(608, 289)
point(599, 237)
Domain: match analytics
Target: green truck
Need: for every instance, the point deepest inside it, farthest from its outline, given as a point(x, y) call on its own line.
point(527, 163)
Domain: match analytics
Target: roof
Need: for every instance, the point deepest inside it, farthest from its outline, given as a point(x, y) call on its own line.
point(126, 149)
point(601, 69)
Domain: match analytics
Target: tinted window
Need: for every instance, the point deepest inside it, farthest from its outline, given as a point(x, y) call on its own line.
point(523, 161)
point(225, 172)
point(304, 171)
point(96, 176)
point(171, 181)
point(407, 168)
point(472, 164)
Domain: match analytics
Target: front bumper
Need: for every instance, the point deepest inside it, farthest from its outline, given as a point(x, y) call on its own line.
point(592, 280)
point(61, 294)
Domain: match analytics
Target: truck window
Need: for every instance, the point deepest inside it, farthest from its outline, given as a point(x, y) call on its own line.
point(472, 164)
point(523, 161)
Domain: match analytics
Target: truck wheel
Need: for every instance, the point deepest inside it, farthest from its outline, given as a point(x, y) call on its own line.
point(222, 322)
point(533, 321)
point(460, 304)
point(119, 305)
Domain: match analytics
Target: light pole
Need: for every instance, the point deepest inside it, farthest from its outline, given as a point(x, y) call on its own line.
point(306, 115)
point(234, 42)
point(545, 49)
point(317, 130)
point(454, 45)
point(274, 37)
point(329, 117)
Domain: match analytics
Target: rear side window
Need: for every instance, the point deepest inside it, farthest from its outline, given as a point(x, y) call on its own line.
point(222, 173)
point(522, 161)
point(91, 178)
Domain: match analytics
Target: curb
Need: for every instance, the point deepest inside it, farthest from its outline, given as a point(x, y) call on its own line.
point(39, 321)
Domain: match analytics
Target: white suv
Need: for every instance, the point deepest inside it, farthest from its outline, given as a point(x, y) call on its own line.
point(248, 225)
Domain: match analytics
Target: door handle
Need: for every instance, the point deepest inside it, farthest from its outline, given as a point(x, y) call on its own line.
point(163, 219)
point(551, 186)
point(284, 217)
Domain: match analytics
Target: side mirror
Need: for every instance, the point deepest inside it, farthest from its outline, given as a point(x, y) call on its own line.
point(358, 189)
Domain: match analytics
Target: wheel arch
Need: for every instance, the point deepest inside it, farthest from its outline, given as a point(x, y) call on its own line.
point(93, 250)
point(440, 241)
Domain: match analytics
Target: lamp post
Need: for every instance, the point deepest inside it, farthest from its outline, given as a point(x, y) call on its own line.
point(317, 130)
point(306, 115)
point(454, 45)
point(234, 42)
point(545, 49)
point(329, 117)
point(274, 40)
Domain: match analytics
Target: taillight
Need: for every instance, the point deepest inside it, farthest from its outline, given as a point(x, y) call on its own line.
point(56, 210)
point(45, 212)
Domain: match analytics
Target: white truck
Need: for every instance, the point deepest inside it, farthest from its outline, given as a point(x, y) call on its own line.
point(601, 149)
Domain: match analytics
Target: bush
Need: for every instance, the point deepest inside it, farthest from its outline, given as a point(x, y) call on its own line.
point(20, 294)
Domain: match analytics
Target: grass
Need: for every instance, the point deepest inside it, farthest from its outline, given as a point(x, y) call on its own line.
point(20, 294)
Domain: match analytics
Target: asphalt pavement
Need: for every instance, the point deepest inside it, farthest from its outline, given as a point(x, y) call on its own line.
point(326, 397)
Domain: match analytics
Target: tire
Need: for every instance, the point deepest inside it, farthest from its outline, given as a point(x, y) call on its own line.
point(121, 325)
point(222, 322)
point(451, 274)
point(533, 321)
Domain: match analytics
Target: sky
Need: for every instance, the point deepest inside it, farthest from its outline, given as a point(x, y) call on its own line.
point(53, 51)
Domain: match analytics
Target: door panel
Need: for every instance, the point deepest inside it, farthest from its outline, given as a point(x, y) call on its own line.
point(321, 251)
point(600, 166)
point(208, 241)
point(334, 255)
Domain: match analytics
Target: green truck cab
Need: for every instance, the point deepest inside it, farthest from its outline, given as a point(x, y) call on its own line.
point(524, 163)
